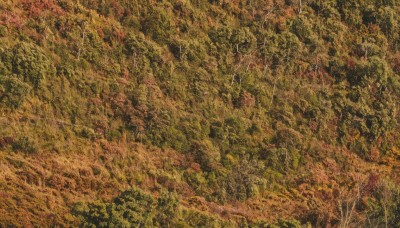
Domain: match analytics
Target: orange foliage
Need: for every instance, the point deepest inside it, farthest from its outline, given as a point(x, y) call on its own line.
point(35, 8)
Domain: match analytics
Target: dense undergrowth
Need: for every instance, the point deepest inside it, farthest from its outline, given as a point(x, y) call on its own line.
point(195, 113)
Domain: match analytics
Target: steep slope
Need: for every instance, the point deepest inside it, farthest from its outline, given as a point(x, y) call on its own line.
point(232, 113)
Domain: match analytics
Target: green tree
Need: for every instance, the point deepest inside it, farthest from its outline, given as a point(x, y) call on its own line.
point(31, 64)
point(13, 91)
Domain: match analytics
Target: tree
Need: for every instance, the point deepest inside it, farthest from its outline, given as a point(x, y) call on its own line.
point(13, 91)
point(31, 64)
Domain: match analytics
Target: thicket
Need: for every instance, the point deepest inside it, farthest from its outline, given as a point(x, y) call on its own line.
point(249, 92)
point(134, 208)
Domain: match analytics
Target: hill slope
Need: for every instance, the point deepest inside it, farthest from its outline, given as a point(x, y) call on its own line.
point(199, 113)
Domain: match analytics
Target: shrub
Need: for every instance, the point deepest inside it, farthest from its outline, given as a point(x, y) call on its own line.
point(66, 70)
point(138, 206)
point(217, 130)
point(383, 209)
point(84, 132)
point(240, 183)
point(30, 63)
point(205, 154)
point(13, 91)
point(387, 21)
point(235, 128)
point(134, 208)
point(193, 218)
point(174, 138)
point(303, 30)
point(281, 48)
point(135, 45)
point(145, 56)
point(93, 50)
point(350, 12)
point(167, 209)
point(159, 25)
point(243, 40)
point(25, 144)
point(289, 223)
point(221, 36)
point(3, 31)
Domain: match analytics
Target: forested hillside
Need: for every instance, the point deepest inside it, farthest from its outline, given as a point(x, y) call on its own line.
point(199, 113)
